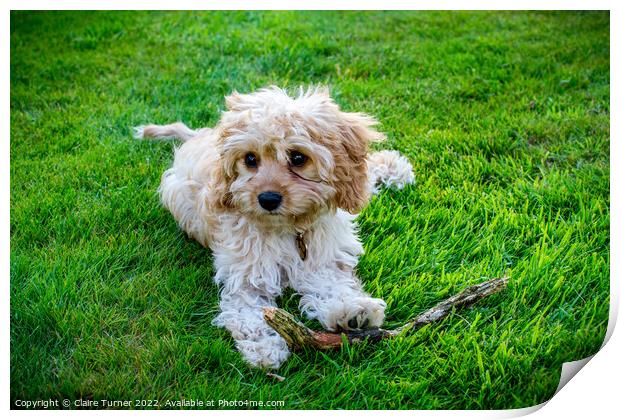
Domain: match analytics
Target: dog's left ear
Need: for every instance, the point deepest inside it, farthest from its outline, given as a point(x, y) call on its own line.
point(347, 136)
point(355, 132)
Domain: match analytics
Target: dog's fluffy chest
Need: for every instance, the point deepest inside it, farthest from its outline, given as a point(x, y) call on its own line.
point(246, 255)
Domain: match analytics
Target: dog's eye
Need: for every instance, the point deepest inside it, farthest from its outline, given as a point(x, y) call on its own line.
point(250, 160)
point(298, 159)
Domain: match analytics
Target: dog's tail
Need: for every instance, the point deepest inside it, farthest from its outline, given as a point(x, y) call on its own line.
point(173, 131)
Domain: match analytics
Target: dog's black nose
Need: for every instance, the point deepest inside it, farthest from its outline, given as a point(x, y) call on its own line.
point(269, 200)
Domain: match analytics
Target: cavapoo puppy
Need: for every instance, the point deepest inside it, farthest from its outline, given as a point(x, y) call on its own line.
point(272, 190)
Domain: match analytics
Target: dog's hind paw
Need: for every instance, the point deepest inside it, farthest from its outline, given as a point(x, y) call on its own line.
point(390, 169)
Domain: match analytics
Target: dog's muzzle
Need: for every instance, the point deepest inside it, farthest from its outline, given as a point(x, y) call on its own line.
point(269, 200)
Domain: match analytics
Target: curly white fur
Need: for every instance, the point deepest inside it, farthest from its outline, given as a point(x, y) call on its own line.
point(388, 168)
point(212, 193)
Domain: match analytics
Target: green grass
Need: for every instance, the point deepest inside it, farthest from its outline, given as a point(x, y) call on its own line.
point(505, 117)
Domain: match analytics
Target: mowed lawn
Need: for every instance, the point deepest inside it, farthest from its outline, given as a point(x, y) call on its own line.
point(504, 116)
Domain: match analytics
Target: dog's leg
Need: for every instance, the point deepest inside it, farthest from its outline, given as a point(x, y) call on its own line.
point(388, 168)
point(259, 344)
point(336, 299)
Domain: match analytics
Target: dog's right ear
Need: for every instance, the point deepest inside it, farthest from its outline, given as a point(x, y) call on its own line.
point(221, 179)
point(220, 196)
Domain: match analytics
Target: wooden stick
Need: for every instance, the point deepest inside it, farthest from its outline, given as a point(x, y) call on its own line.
point(298, 336)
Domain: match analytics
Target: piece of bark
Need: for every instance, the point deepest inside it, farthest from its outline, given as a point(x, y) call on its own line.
point(275, 376)
point(298, 336)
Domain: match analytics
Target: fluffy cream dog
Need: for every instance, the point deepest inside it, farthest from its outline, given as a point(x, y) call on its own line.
point(272, 190)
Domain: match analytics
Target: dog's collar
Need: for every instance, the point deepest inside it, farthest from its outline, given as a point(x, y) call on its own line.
point(301, 245)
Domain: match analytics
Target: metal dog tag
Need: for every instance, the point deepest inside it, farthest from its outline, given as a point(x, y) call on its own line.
point(301, 246)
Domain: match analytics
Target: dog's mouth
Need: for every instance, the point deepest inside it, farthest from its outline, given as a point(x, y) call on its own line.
point(273, 213)
point(261, 212)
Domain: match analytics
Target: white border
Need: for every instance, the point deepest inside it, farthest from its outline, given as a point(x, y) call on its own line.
point(593, 393)
point(313, 5)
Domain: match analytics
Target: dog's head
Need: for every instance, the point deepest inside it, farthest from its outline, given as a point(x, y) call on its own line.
point(286, 159)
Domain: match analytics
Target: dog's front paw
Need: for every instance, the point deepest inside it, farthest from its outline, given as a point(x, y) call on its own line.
point(355, 313)
point(265, 352)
